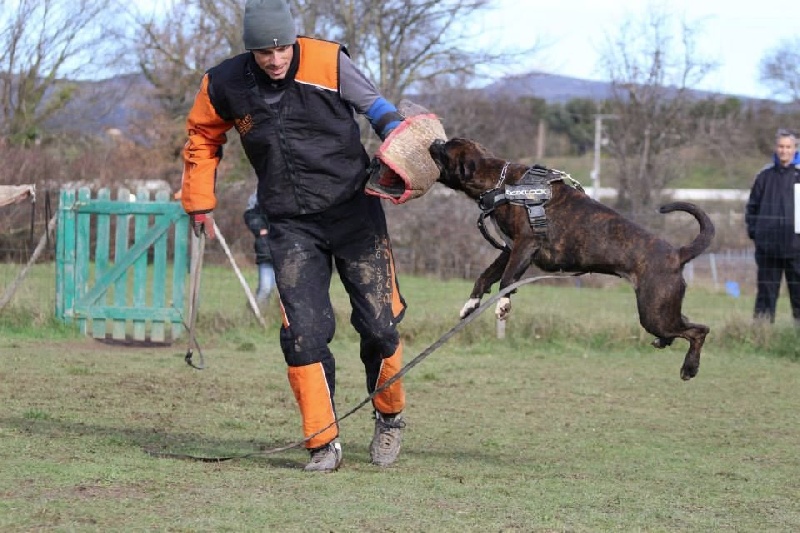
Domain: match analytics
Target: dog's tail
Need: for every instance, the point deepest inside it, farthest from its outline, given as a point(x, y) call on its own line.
point(703, 239)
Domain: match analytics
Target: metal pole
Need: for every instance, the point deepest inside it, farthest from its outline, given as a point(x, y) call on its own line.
point(598, 141)
point(598, 124)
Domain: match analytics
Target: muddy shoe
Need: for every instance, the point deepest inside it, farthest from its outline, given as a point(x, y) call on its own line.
point(328, 458)
point(386, 442)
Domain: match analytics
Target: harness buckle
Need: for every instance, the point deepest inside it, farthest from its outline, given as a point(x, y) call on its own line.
point(537, 218)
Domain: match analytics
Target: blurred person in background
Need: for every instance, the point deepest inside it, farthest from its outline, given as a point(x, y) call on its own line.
point(258, 225)
point(292, 100)
point(770, 219)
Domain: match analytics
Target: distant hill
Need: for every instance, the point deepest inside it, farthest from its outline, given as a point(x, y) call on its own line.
point(554, 88)
point(115, 102)
point(103, 105)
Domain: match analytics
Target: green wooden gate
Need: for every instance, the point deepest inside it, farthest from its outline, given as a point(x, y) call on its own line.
point(134, 293)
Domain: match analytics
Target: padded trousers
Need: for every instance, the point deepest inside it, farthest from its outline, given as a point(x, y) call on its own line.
point(353, 237)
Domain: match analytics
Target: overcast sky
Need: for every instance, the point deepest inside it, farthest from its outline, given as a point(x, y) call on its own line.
point(735, 34)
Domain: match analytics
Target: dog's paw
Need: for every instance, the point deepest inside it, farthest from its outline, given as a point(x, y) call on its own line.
point(662, 342)
point(471, 305)
point(689, 370)
point(503, 308)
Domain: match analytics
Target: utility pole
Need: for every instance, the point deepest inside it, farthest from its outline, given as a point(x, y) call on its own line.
point(598, 138)
point(540, 136)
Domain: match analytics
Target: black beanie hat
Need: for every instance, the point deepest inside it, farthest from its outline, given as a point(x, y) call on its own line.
point(267, 24)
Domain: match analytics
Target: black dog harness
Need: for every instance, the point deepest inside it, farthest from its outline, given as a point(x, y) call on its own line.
point(533, 191)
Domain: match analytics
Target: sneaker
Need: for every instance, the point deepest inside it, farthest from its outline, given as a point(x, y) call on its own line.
point(327, 458)
point(385, 446)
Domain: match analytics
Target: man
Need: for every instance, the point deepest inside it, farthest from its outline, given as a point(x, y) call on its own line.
point(769, 215)
point(291, 99)
point(259, 226)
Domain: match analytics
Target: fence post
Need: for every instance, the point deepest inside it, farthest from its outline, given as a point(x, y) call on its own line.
point(713, 261)
point(101, 256)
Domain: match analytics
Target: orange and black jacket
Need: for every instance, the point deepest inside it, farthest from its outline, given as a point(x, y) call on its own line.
point(305, 148)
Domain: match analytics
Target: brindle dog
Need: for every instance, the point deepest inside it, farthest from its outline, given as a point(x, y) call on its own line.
point(582, 236)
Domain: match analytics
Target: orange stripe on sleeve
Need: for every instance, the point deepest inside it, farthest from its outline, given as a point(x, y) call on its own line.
point(206, 133)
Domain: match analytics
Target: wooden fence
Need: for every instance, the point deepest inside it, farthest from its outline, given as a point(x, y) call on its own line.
point(121, 265)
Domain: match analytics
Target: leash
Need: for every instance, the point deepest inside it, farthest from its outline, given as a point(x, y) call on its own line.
point(194, 294)
point(402, 372)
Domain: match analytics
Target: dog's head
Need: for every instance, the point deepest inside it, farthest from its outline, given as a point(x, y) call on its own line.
point(457, 160)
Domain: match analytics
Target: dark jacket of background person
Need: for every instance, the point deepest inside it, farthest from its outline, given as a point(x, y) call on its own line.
point(769, 213)
point(257, 222)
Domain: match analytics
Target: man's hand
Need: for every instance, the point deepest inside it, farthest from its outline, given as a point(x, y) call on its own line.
point(203, 223)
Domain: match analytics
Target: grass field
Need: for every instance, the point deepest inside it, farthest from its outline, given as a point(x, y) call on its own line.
point(571, 423)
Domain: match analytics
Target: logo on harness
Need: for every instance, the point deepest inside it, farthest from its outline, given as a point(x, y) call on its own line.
point(532, 192)
point(528, 193)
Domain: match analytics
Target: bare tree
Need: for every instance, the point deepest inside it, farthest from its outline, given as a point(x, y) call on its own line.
point(652, 64)
point(42, 44)
point(173, 48)
point(780, 69)
point(400, 44)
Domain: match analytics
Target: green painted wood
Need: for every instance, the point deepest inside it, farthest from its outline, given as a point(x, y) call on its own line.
point(120, 276)
point(160, 274)
point(126, 207)
point(180, 264)
point(140, 268)
point(63, 204)
point(82, 250)
point(68, 260)
point(119, 270)
point(125, 293)
point(165, 314)
point(101, 256)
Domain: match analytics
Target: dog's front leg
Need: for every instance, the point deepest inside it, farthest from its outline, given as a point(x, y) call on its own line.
point(471, 305)
point(484, 283)
point(519, 261)
point(503, 308)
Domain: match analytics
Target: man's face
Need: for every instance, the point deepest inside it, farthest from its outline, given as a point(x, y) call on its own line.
point(275, 61)
point(785, 149)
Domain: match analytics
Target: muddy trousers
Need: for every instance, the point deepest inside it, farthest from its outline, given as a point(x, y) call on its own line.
point(770, 272)
point(353, 238)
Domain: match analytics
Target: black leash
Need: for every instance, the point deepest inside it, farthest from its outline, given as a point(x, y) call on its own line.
point(402, 372)
point(194, 295)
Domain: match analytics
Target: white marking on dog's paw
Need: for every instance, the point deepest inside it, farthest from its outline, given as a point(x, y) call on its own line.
point(471, 305)
point(503, 308)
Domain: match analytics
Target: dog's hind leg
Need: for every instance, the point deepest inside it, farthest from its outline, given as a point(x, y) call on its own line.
point(662, 342)
point(660, 314)
point(696, 335)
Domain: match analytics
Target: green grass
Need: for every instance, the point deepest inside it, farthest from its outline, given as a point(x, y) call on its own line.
point(570, 423)
point(702, 174)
